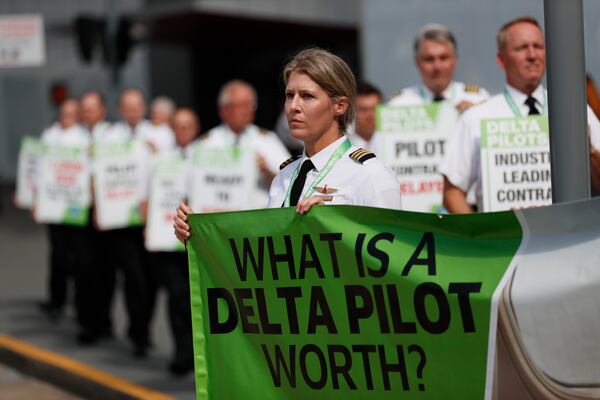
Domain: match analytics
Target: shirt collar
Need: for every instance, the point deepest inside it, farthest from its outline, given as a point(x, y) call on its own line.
point(134, 130)
point(320, 159)
point(447, 93)
point(231, 132)
point(520, 97)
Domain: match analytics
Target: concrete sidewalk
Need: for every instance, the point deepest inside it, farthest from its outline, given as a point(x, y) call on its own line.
point(23, 274)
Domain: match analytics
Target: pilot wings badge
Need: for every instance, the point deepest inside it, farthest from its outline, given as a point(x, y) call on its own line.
point(325, 192)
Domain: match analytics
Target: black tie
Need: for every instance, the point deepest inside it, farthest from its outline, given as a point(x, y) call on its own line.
point(438, 97)
point(298, 185)
point(530, 102)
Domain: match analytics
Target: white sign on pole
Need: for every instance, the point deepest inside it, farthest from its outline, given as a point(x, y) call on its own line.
point(27, 170)
point(410, 141)
point(63, 190)
point(119, 183)
point(168, 187)
point(22, 41)
point(224, 178)
point(515, 163)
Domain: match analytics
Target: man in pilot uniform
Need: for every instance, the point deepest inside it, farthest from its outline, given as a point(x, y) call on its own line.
point(436, 59)
point(237, 105)
point(522, 55)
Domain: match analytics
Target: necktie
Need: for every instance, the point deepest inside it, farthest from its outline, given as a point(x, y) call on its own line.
point(298, 185)
point(438, 97)
point(530, 102)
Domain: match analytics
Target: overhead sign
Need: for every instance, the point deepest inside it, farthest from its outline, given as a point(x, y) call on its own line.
point(22, 41)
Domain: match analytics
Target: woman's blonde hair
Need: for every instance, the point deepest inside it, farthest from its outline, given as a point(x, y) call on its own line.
point(331, 73)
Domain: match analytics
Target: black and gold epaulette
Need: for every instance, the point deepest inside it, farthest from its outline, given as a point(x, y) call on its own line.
point(361, 155)
point(263, 131)
point(394, 96)
point(288, 161)
point(472, 88)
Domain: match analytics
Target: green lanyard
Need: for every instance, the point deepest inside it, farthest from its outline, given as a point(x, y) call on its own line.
point(452, 93)
point(513, 105)
point(337, 154)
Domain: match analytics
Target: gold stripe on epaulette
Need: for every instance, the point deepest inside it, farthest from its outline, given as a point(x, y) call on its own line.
point(361, 155)
point(288, 161)
point(472, 88)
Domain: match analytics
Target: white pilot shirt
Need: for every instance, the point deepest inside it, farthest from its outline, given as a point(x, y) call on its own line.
point(264, 142)
point(363, 184)
point(73, 136)
point(98, 130)
point(455, 93)
point(160, 136)
point(116, 133)
point(462, 161)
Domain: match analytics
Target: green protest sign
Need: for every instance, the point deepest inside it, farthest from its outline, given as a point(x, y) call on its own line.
point(346, 302)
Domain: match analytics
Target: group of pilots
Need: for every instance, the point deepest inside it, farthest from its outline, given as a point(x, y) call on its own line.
point(326, 111)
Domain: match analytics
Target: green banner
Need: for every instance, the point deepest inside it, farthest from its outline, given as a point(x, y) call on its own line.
point(345, 302)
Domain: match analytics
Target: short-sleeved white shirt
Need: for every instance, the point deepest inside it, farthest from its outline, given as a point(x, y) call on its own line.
point(462, 162)
point(363, 184)
point(455, 93)
point(264, 143)
point(117, 132)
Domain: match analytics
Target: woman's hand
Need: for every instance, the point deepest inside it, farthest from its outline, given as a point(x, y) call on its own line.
point(182, 229)
point(305, 204)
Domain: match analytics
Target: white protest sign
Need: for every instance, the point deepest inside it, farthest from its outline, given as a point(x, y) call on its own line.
point(27, 170)
point(515, 163)
point(410, 141)
point(168, 187)
point(119, 183)
point(63, 190)
point(21, 41)
point(224, 178)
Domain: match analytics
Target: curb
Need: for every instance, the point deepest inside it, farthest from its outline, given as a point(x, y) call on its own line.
point(70, 375)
